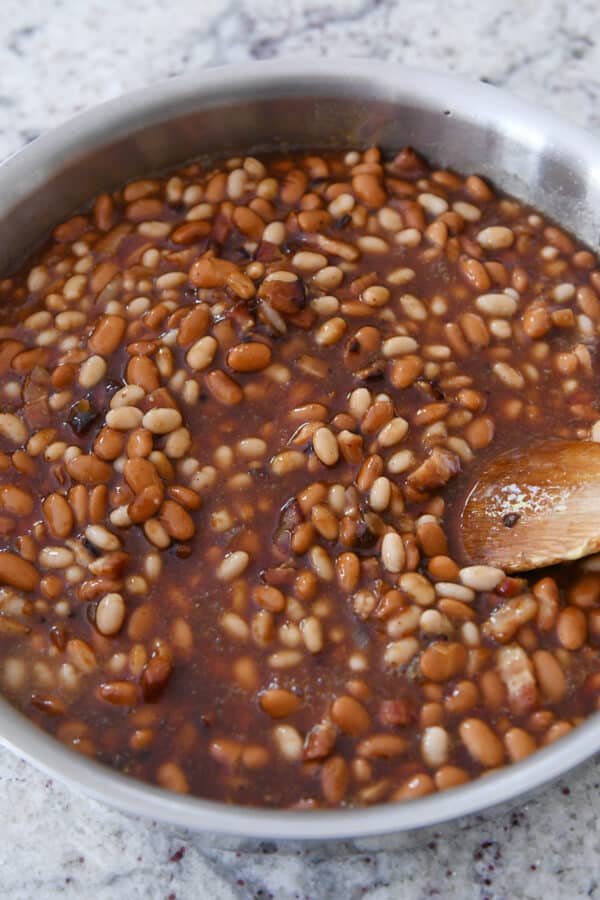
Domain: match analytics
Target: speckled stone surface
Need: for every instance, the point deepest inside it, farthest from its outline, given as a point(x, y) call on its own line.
point(60, 56)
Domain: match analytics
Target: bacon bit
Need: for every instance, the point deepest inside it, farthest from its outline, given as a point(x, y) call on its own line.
point(397, 712)
point(436, 471)
point(408, 162)
point(319, 741)
point(154, 677)
point(279, 575)
point(290, 517)
point(511, 587)
point(516, 672)
point(506, 619)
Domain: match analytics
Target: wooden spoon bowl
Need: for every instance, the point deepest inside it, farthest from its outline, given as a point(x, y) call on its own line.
point(535, 507)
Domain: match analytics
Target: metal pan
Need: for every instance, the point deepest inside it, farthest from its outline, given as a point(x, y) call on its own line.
point(304, 104)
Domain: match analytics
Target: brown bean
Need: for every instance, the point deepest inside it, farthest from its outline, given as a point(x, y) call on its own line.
point(177, 522)
point(171, 776)
point(540, 720)
point(81, 655)
point(27, 360)
point(493, 689)
point(190, 232)
point(209, 272)
point(376, 416)
point(464, 696)
point(108, 444)
point(78, 501)
point(107, 335)
point(475, 329)
point(550, 675)
point(571, 628)
point(223, 388)
point(145, 504)
point(141, 622)
point(483, 745)
point(314, 219)
point(102, 275)
point(585, 591)
point(442, 568)
point(89, 469)
point(269, 597)
point(142, 370)
point(118, 693)
point(248, 222)
point(432, 540)
point(369, 190)
point(144, 209)
point(17, 572)
point(480, 432)
point(536, 320)
point(253, 356)
point(556, 731)
point(98, 502)
point(70, 230)
point(187, 497)
point(8, 351)
point(475, 274)
point(347, 567)
point(324, 521)
point(15, 501)
point(449, 777)
point(139, 443)
point(141, 473)
point(441, 660)
point(293, 186)
point(350, 715)
point(23, 463)
point(416, 786)
point(255, 757)
point(154, 677)
point(350, 446)
point(334, 780)
point(594, 624)
point(519, 744)
point(51, 706)
point(405, 371)
point(279, 703)
point(384, 746)
point(216, 187)
point(193, 325)
point(103, 212)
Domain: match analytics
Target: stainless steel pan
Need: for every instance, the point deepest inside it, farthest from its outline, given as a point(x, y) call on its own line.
point(313, 104)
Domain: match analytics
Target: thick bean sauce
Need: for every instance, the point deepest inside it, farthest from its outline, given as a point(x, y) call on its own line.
point(240, 407)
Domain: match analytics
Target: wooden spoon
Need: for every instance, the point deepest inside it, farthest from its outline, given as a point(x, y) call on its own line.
point(535, 507)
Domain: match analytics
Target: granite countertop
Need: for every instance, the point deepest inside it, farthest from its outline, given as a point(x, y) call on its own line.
point(60, 56)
